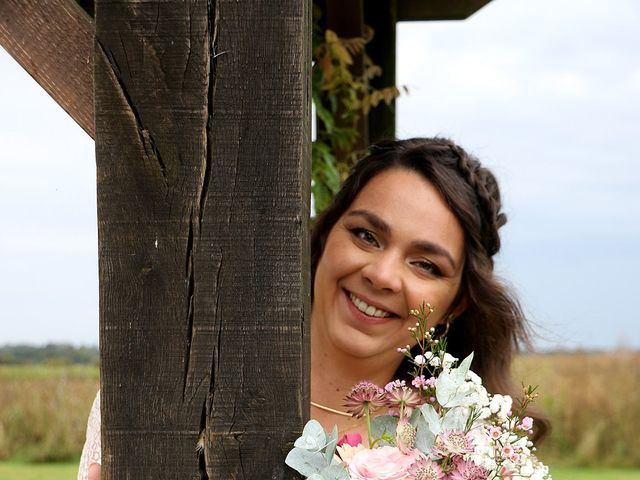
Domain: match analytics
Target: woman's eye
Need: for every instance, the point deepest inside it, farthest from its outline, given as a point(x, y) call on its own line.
point(428, 267)
point(365, 235)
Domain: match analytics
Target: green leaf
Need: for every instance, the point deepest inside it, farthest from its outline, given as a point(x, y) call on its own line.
point(425, 438)
point(334, 472)
point(313, 437)
point(381, 425)
point(305, 462)
point(332, 441)
point(432, 418)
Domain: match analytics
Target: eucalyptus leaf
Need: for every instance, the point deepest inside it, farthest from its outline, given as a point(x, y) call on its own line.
point(432, 418)
point(383, 424)
point(455, 419)
point(334, 472)
point(305, 462)
point(313, 437)
point(332, 441)
point(425, 438)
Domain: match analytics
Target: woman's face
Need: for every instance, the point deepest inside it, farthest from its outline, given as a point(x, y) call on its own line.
point(396, 246)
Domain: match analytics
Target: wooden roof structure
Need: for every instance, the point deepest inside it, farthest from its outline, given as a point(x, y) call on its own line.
point(53, 42)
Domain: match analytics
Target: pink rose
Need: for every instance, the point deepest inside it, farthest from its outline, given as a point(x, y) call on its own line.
point(353, 439)
point(384, 463)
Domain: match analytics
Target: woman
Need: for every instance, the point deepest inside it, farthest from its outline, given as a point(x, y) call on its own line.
point(416, 221)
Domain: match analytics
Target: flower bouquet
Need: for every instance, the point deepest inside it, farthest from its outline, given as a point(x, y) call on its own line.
point(444, 426)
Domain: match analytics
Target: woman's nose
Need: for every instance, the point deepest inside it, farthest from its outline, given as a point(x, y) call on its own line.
point(383, 272)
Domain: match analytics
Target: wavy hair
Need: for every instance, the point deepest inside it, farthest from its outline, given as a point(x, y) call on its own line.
point(493, 325)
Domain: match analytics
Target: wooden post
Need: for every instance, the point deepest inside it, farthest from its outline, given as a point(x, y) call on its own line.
point(202, 149)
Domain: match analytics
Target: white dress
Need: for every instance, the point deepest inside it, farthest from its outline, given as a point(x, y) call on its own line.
point(92, 450)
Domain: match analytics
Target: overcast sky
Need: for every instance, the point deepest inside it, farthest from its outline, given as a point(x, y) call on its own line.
point(546, 93)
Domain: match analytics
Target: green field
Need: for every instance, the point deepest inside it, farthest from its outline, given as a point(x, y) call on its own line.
point(45, 471)
point(69, 471)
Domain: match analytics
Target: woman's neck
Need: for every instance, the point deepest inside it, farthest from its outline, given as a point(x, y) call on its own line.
point(333, 375)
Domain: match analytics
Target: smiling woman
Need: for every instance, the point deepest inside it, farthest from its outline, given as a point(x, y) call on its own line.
point(416, 222)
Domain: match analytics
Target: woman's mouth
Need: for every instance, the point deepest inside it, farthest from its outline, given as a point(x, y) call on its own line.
point(365, 311)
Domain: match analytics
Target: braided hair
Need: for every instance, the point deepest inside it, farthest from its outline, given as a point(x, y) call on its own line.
point(492, 325)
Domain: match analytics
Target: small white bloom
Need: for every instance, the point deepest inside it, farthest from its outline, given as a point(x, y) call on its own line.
point(434, 362)
point(428, 355)
point(420, 360)
point(474, 377)
point(448, 360)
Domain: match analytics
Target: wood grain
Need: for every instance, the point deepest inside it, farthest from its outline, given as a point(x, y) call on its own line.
point(53, 42)
point(202, 146)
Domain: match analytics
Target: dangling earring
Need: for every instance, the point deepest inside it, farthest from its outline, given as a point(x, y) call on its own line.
point(442, 329)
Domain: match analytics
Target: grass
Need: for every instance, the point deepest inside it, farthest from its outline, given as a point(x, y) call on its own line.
point(577, 473)
point(68, 471)
point(48, 471)
point(594, 405)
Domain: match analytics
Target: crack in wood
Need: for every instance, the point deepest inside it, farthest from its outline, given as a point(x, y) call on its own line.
point(190, 305)
point(212, 31)
point(147, 142)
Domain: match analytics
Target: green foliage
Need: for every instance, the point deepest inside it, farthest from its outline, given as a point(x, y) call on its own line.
point(342, 99)
point(49, 471)
point(51, 353)
point(593, 403)
point(43, 413)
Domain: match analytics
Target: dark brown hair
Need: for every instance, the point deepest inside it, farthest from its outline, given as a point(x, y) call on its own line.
point(492, 325)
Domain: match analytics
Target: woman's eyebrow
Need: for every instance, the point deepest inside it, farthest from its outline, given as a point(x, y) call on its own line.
point(373, 219)
point(422, 245)
point(434, 249)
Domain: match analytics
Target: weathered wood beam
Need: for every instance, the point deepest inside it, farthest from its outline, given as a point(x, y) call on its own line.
point(420, 10)
point(382, 17)
point(202, 150)
point(53, 42)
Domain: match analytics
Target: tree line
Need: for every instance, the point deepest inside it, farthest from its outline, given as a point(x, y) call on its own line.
point(60, 353)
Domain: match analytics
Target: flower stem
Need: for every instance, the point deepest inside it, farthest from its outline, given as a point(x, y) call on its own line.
point(367, 416)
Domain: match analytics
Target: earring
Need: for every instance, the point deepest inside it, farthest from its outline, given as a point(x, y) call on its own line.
point(442, 329)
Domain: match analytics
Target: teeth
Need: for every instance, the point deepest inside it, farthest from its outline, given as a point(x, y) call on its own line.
point(368, 309)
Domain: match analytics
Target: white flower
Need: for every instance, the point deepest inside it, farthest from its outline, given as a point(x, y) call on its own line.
point(428, 355)
point(473, 377)
point(448, 360)
point(434, 362)
point(501, 405)
point(420, 360)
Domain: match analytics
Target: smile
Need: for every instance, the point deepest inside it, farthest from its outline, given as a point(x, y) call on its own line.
point(368, 309)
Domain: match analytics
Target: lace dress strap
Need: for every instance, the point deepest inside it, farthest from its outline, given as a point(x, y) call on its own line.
point(92, 450)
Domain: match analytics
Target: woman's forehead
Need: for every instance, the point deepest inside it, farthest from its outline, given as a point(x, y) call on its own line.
point(411, 206)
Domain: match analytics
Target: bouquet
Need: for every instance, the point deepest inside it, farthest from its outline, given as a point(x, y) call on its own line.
point(444, 426)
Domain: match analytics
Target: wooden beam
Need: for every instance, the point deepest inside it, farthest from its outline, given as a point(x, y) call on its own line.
point(202, 152)
point(382, 17)
point(420, 10)
point(53, 42)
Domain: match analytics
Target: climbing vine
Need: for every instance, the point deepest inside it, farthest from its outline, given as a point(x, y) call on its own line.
point(342, 98)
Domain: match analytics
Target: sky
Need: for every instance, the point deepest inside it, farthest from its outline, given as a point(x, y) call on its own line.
point(545, 93)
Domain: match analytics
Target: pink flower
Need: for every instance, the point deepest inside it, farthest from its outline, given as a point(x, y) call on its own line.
point(425, 469)
point(405, 435)
point(419, 382)
point(394, 384)
point(353, 439)
point(361, 395)
point(466, 470)
point(526, 424)
point(452, 443)
point(384, 463)
point(403, 397)
point(495, 432)
point(507, 450)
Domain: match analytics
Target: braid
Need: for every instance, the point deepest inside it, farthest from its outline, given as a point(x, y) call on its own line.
point(485, 186)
